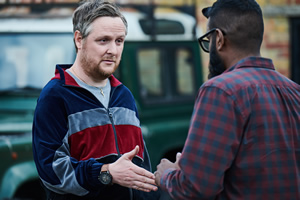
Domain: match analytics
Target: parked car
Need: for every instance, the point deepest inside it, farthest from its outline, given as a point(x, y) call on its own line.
point(162, 69)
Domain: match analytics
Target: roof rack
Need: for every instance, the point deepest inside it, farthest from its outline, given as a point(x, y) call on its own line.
point(43, 6)
point(149, 10)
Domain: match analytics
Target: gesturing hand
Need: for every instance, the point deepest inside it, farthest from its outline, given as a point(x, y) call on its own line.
point(127, 174)
point(164, 165)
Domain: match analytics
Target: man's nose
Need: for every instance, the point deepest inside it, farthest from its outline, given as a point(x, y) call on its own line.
point(112, 48)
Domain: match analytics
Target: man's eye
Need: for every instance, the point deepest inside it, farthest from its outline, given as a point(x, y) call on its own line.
point(120, 41)
point(101, 40)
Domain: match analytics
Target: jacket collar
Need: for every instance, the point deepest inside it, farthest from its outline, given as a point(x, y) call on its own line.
point(61, 74)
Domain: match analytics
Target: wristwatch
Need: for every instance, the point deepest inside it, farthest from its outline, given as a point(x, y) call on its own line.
point(105, 177)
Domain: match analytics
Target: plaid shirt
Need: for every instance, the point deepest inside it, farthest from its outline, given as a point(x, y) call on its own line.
point(244, 138)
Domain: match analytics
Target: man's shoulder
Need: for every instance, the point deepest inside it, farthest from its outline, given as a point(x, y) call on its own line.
point(225, 80)
point(52, 89)
point(232, 82)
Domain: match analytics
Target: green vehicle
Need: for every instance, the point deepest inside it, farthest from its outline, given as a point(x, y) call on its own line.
point(161, 68)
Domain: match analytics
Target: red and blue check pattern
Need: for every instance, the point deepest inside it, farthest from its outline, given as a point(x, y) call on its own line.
point(244, 138)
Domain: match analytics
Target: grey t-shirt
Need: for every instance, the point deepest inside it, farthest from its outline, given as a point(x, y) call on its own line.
point(96, 91)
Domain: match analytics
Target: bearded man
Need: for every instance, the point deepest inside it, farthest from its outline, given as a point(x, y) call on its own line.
point(243, 141)
point(87, 140)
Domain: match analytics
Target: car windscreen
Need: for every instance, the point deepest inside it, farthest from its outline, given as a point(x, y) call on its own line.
point(27, 60)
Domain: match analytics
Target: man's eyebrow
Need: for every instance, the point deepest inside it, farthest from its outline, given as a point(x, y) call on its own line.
point(109, 36)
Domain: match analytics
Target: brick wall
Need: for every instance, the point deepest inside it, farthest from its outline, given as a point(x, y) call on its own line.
point(276, 44)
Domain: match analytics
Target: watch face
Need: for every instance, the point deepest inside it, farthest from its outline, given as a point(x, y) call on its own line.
point(105, 178)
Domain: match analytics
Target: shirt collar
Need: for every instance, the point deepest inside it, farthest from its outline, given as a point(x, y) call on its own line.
point(256, 62)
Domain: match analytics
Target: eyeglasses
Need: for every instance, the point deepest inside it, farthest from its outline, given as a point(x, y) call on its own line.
point(204, 40)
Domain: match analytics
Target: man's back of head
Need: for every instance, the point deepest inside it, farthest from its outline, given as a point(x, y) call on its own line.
point(241, 20)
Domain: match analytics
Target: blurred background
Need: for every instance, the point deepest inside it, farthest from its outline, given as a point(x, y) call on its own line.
point(281, 23)
point(162, 65)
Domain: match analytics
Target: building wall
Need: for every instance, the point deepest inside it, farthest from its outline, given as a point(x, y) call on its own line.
point(277, 41)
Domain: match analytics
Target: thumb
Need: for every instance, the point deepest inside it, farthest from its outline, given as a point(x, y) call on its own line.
point(178, 155)
point(130, 155)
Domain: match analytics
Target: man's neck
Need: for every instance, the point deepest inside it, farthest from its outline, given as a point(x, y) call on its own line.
point(81, 75)
point(236, 56)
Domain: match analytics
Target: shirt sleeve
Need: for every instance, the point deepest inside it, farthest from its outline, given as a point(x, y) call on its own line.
point(213, 140)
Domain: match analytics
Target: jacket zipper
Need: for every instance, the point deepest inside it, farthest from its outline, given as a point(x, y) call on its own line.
point(110, 115)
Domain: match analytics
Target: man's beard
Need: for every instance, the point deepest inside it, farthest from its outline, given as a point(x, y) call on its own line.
point(94, 70)
point(216, 65)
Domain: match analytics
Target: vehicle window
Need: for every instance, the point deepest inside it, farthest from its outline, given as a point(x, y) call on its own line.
point(149, 71)
point(166, 74)
point(28, 60)
point(184, 72)
point(162, 26)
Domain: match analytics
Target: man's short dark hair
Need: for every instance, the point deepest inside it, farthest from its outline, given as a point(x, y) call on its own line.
point(241, 20)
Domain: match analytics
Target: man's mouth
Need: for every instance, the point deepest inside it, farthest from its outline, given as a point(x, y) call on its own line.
point(109, 59)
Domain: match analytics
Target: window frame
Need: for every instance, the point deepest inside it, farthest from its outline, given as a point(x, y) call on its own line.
point(169, 52)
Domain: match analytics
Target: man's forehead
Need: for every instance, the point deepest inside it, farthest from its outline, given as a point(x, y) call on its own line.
point(108, 25)
point(109, 21)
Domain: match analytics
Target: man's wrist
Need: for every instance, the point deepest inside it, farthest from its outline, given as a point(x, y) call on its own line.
point(104, 168)
point(105, 177)
point(164, 179)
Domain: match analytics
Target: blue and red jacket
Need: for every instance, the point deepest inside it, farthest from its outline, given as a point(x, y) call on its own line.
point(74, 135)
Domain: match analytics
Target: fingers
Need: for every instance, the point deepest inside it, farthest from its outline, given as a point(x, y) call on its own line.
point(142, 172)
point(142, 180)
point(144, 187)
point(142, 183)
point(142, 175)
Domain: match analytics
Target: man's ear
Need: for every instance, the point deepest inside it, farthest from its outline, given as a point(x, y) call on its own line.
point(78, 39)
point(220, 40)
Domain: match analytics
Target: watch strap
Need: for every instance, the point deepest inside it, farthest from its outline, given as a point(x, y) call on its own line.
point(105, 175)
point(104, 168)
